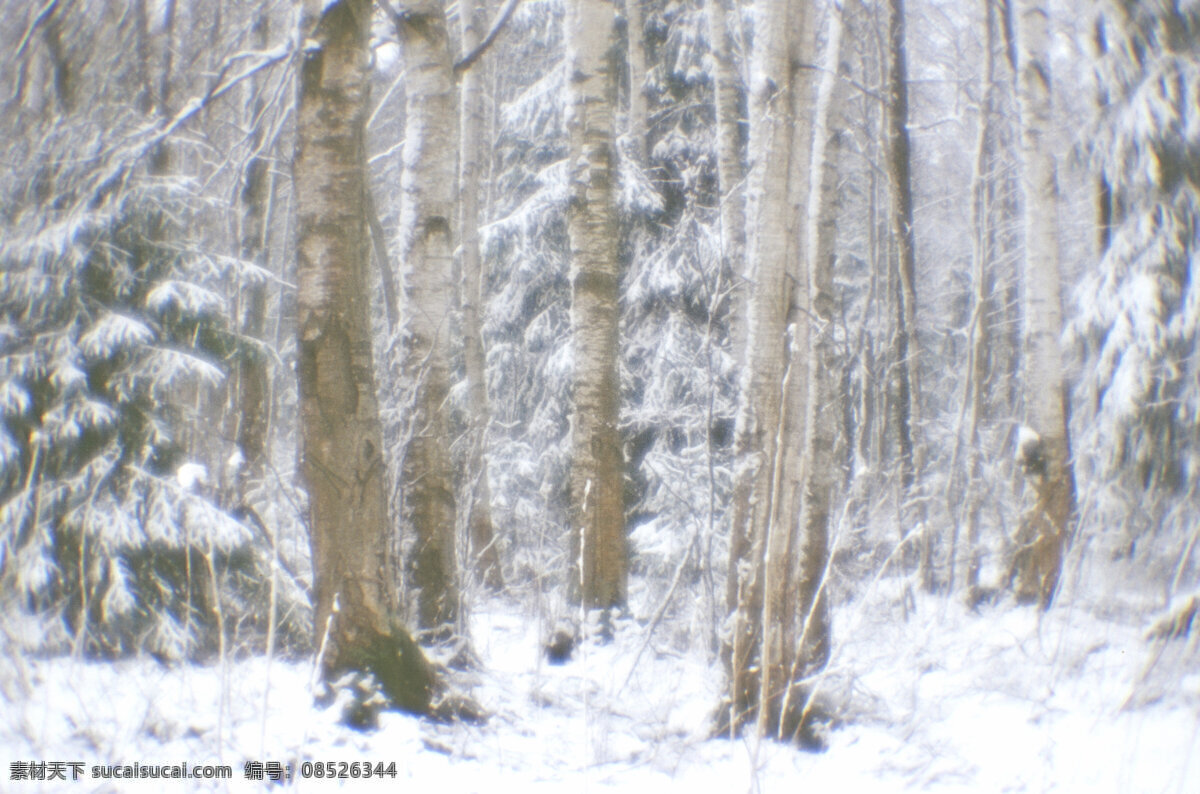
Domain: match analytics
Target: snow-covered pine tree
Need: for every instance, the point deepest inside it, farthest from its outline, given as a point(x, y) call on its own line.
point(1138, 319)
point(524, 306)
point(114, 334)
point(677, 369)
point(677, 375)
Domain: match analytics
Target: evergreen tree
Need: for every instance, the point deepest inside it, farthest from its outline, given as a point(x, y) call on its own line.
point(1139, 314)
point(115, 337)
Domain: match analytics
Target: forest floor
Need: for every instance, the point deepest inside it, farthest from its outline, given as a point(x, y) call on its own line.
point(935, 698)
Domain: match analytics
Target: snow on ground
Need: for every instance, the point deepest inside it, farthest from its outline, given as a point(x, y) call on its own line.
point(943, 701)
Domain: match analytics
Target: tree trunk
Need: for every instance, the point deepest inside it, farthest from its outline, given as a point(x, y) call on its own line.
point(978, 334)
point(781, 619)
point(907, 347)
point(160, 160)
point(339, 418)
point(383, 263)
point(1045, 451)
point(758, 653)
point(428, 209)
point(597, 466)
point(730, 172)
point(141, 25)
point(253, 386)
point(63, 71)
point(636, 33)
point(484, 551)
point(811, 648)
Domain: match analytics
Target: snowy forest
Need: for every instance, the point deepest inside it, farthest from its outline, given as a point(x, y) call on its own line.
point(718, 395)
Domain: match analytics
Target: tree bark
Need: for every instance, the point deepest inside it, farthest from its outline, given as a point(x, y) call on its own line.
point(978, 333)
point(907, 346)
point(796, 600)
point(484, 551)
point(427, 212)
point(781, 619)
point(764, 517)
point(1045, 454)
point(339, 418)
point(253, 386)
point(636, 35)
point(64, 76)
point(597, 465)
point(811, 648)
point(730, 173)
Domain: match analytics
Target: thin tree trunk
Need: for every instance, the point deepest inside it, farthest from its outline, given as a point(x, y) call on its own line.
point(383, 263)
point(214, 31)
point(160, 161)
point(253, 387)
point(484, 551)
point(755, 663)
point(730, 177)
point(781, 620)
point(428, 210)
point(979, 336)
point(908, 409)
point(149, 99)
point(1104, 192)
point(339, 419)
point(810, 650)
point(730, 173)
point(874, 420)
point(64, 76)
point(636, 34)
point(1044, 449)
point(141, 26)
point(597, 466)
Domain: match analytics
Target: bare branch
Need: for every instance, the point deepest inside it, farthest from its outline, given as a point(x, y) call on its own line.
point(468, 60)
point(38, 19)
point(122, 158)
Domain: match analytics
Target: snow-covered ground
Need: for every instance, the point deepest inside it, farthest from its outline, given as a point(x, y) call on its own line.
point(939, 699)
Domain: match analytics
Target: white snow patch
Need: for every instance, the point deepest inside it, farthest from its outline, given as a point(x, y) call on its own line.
point(114, 333)
point(1027, 437)
point(189, 475)
point(945, 701)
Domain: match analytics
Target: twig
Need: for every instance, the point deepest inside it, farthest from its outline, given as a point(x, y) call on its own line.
point(658, 615)
point(468, 60)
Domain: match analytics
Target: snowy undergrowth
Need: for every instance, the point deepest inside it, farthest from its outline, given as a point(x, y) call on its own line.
point(938, 699)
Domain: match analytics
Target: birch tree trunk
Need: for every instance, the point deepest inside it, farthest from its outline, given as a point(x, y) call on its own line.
point(339, 418)
point(427, 186)
point(762, 527)
point(781, 617)
point(787, 415)
point(811, 604)
point(597, 466)
point(1044, 449)
point(484, 550)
